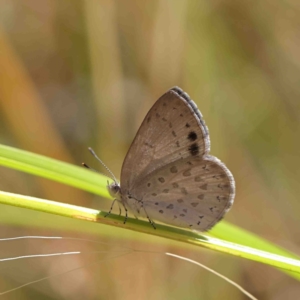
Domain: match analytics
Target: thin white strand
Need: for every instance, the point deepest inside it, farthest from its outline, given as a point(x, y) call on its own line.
point(31, 237)
point(54, 254)
point(51, 276)
point(215, 273)
point(60, 238)
point(40, 255)
point(130, 251)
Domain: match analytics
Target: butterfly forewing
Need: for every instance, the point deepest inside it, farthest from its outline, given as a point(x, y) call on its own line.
point(172, 130)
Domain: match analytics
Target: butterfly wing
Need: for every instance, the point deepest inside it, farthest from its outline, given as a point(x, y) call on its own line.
point(172, 130)
point(168, 175)
point(194, 192)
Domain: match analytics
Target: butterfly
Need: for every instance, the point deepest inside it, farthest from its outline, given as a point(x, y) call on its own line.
point(168, 174)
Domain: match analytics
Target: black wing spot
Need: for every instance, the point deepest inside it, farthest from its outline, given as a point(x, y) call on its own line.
point(187, 125)
point(187, 173)
point(203, 187)
point(192, 136)
point(148, 184)
point(161, 179)
point(170, 206)
point(219, 176)
point(184, 191)
point(161, 211)
point(194, 149)
point(174, 169)
point(212, 208)
point(148, 119)
point(148, 145)
point(174, 133)
point(205, 168)
point(198, 178)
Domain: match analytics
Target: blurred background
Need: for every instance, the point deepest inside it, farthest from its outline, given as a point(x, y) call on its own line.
point(81, 73)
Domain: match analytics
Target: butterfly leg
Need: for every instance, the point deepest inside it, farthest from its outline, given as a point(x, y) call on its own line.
point(150, 221)
point(126, 214)
point(109, 212)
point(120, 210)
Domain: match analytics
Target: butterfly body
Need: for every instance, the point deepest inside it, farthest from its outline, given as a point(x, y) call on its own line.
point(168, 175)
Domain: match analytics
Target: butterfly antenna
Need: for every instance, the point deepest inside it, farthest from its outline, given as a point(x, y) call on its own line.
point(103, 164)
point(88, 167)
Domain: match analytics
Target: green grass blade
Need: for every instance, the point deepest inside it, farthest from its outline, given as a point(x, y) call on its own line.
point(53, 169)
point(177, 234)
point(96, 183)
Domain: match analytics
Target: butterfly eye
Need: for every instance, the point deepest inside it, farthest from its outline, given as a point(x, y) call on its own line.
point(114, 189)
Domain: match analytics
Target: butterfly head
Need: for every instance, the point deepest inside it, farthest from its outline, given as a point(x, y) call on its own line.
point(114, 190)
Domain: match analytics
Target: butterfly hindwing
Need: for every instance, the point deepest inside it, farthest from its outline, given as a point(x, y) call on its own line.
point(194, 193)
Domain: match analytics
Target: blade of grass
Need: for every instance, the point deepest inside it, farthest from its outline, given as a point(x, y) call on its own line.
point(96, 183)
point(177, 234)
point(53, 169)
